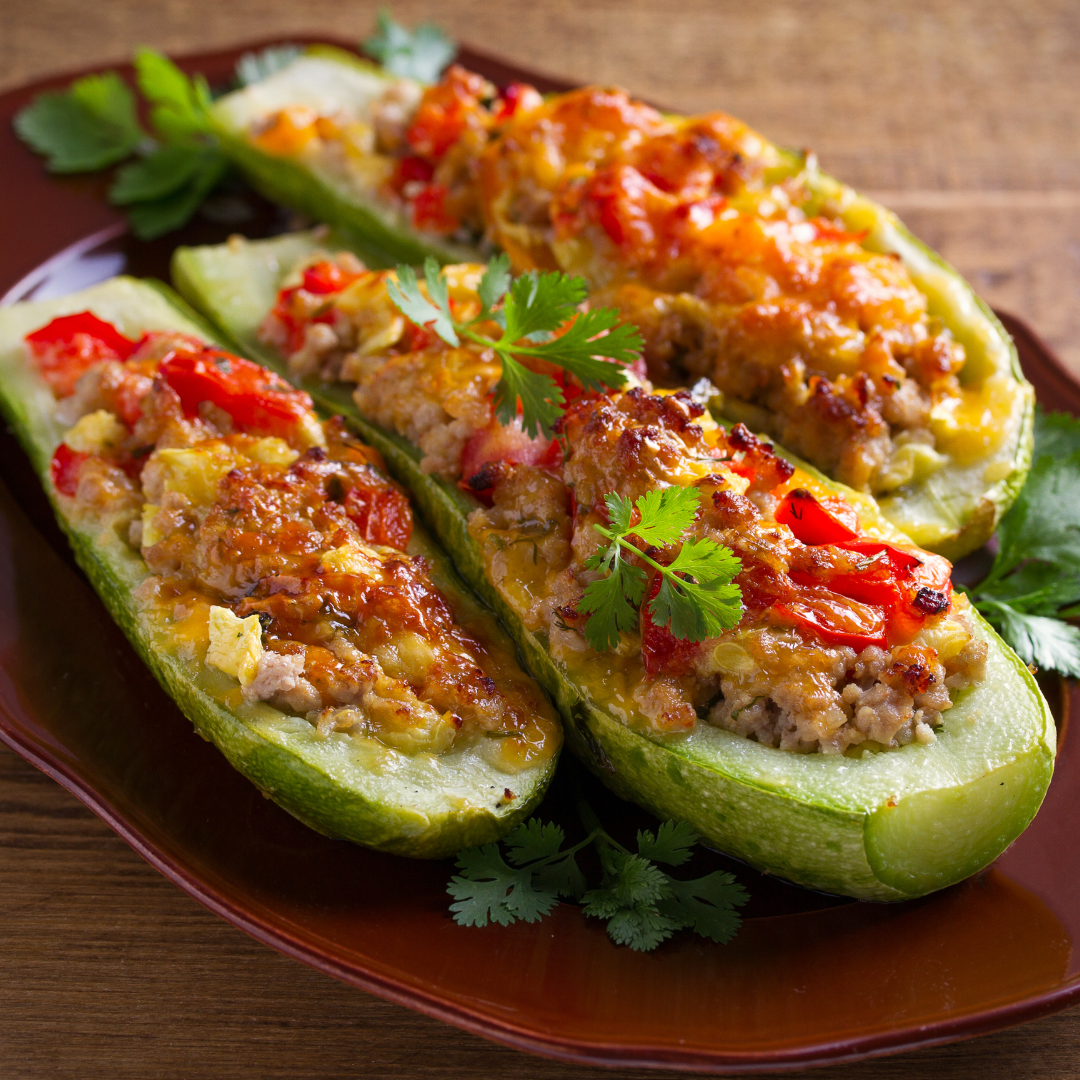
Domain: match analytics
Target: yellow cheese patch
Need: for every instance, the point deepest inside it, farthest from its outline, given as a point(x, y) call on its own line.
point(235, 644)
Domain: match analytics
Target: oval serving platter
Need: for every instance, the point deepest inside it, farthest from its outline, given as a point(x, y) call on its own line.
point(77, 703)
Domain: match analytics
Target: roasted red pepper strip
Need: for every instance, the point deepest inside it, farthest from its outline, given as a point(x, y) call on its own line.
point(817, 521)
point(382, 514)
point(64, 469)
point(661, 650)
point(834, 617)
point(257, 400)
point(69, 346)
point(325, 278)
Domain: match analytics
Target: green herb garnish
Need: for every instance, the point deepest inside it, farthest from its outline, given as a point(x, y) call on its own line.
point(533, 308)
point(419, 54)
point(642, 904)
point(696, 599)
point(93, 124)
point(1034, 582)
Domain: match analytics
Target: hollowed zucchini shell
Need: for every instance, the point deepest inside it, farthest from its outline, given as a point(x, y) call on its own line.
point(953, 511)
point(420, 805)
point(883, 826)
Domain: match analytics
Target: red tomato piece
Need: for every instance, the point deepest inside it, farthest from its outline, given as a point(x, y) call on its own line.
point(826, 230)
point(69, 346)
point(65, 467)
point(836, 618)
point(412, 170)
point(429, 209)
point(327, 277)
point(817, 521)
point(661, 650)
point(517, 97)
point(382, 514)
point(496, 445)
point(258, 400)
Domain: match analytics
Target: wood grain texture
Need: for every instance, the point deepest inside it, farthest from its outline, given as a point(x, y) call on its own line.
point(964, 116)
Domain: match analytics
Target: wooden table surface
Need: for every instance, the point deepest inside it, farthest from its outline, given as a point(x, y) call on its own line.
point(962, 117)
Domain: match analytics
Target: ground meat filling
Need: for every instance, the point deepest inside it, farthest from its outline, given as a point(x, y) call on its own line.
point(801, 671)
point(767, 679)
point(351, 632)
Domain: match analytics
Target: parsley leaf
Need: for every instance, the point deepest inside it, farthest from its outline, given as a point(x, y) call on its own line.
point(696, 598)
point(151, 217)
point(179, 104)
point(1038, 639)
point(534, 308)
point(89, 126)
point(533, 840)
point(253, 67)
point(419, 54)
point(1036, 571)
point(94, 124)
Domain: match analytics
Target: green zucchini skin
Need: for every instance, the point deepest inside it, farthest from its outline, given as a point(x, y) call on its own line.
point(416, 805)
point(952, 512)
point(884, 826)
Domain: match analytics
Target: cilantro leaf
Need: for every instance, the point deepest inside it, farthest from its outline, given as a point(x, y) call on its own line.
point(89, 126)
point(540, 396)
point(541, 302)
point(253, 67)
point(671, 844)
point(494, 283)
point(489, 889)
point(705, 905)
point(563, 877)
point(419, 54)
point(179, 104)
point(1047, 643)
point(701, 604)
point(533, 840)
point(666, 513)
point(695, 599)
point(590, 332)
point(612, 604)
point(414, 305)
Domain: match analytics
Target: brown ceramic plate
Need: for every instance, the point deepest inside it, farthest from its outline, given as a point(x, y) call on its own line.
point(809, 979)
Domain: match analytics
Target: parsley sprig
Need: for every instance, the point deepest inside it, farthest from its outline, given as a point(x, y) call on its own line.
point(642, 904)
point(1034, 581)
point(530, 310)
point(696, 598)
point(419, 54)
point(94, 124)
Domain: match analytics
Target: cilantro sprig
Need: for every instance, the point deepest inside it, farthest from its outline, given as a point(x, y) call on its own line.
point(419, 54)
point(529, 310)
point(642, 904)
point(94, 124)
point(696, 598)
point(1034, 581)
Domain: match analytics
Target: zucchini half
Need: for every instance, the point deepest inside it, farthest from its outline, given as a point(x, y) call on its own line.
point(953, 511)
point(883, 826)
point(420, 805)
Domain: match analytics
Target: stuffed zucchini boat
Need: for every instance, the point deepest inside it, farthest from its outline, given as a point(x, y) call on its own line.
point(820, 319)
point(270, 575)
point(861, 730)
